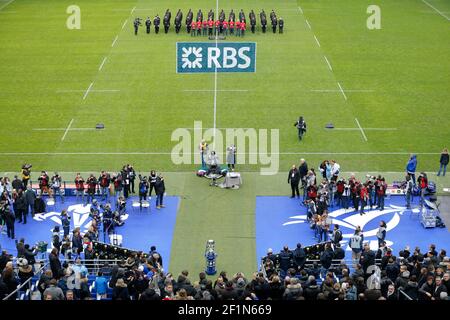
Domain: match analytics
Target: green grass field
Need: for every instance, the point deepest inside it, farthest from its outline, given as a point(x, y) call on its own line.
point(395, 80)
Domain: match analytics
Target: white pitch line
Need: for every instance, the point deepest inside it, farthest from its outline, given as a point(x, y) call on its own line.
point(114, 42)
point(63, 129)
point(87, 91)
point(236, 90)
point(361, 129)
point(370, 129)
point(6, 4)
point(342, 90)
point(132, 10)
point(309, 26)
point(67, 130)
point(317, 40)
point(328, 63)
point(95, 90)
point(124, 24)
point(440, 12)
point(103, 62)
point(301, 11)
point(336, 90)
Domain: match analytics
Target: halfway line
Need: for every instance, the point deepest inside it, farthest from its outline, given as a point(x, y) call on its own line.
point(308, 23)
point(317, 40)
point(301, 11)
point(123, 26)
point(328, 63)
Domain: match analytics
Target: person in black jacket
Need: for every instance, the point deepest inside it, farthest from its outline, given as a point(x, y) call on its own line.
point(55, 264)
point(159, 189)
point(294, 179)
point(39, 205)
point(444, 162)
point(9, 218)
point(286, 259)
point(156, 23)
point(21, 207)
point(367, 258)
point(30, 196)
point(299, 256)
point(120, 291)
point(326, 258)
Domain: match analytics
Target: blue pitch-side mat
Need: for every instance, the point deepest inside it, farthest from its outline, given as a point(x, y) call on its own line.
point(282, 221)
point(141, 230)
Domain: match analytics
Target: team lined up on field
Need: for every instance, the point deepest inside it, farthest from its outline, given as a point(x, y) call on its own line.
point(209, 26)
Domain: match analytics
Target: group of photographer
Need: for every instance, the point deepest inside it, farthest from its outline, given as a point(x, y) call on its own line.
point(210, 26)
point(334, 191)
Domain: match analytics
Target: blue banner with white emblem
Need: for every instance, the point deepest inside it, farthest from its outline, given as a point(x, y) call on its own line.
point(201, 57)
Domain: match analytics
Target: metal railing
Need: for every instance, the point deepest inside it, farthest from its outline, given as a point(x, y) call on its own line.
point(405, 295)
point(28, 292)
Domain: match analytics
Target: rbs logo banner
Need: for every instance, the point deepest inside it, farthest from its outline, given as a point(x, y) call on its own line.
point(196, 57)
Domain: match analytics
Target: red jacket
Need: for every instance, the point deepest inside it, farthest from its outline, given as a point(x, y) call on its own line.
point(210, 23)
point(242, 25)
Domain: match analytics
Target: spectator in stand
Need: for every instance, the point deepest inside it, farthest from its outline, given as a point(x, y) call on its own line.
point(381, 233)
point(443, 162)
point(79, 187)
point(53, 292)
point(25, 271)
point(17, 183)
point(299, 257)
point(55, 263)
point(286, 257)
point(411, 168)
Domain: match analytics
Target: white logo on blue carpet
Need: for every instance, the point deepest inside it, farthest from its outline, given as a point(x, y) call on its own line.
point(349, 223)
point(79, 214)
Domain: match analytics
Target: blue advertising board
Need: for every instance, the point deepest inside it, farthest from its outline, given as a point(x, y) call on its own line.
point(201, 57)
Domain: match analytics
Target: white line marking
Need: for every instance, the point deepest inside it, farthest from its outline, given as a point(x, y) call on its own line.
point(63, 129)
point(95, 90)
point(87, 91)
point(309, 26)
point(103, 62)
point(67, 130)
point(336, 90)
point(440, 12)
point(342, 90)
point(6, 4)
point(361, 129)
point(328, 63)
point(301, 11)
point(123, 26)
point(236, 90)
point(132, 10)
point(371, 129)
point(114, 42)
point(170, 153)
point(317, 40)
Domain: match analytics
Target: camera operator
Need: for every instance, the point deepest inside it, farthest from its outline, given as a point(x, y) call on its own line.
point(44, 182)
point(65, 221)
point(79, 186)
point(56, 186)
point(121, 205)
point(26, 173)
point(107, 219)
point(409, 185)
point(92, 186)
point(143, 189)
point(95, 212)
point(104, 181)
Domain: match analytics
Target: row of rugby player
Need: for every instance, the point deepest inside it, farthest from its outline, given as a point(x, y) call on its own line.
point(221, 25)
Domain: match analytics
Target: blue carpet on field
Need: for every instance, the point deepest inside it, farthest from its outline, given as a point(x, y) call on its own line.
point(282, 221)
point(141, 230)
